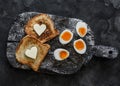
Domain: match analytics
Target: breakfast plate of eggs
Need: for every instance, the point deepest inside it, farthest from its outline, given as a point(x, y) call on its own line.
point(72, 47)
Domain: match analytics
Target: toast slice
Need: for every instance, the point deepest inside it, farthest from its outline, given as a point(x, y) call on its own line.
point(26, 43)
point(50, 31)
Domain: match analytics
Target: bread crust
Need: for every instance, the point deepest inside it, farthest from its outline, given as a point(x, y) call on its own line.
point(26, 43)
point(48, 34)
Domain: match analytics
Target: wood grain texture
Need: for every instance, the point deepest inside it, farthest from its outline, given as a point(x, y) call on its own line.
point(70, 65)
point(104, 21)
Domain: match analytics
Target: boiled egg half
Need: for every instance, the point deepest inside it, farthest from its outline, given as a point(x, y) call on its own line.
point(61, 54)
point(65, 37)
point(81, 28)
point(79, 46)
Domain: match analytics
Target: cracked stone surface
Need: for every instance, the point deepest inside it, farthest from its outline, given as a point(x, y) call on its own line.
point(103, 18)
point(115, 3)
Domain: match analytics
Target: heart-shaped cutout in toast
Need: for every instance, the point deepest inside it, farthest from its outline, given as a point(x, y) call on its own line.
point(39, 29)
point(31, 53)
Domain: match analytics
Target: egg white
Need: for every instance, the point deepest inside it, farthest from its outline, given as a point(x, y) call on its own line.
point(63, 41)
point(57, 52)
point(80, 51)
point(79, 25)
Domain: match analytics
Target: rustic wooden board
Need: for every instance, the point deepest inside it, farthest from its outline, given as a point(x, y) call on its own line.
point(68, 66)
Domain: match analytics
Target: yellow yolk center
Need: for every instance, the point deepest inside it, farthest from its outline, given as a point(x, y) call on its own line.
point(82, 31)
point(79, 45)
point(66, 36)
point(63, 54)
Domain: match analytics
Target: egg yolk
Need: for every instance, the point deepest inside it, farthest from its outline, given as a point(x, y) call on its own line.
point(66, 36)
point(79, 45)
point(82, 31)
point(63, 54)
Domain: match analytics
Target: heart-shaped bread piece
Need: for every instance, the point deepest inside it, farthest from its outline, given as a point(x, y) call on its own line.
point(47, 32)
point(30, 51)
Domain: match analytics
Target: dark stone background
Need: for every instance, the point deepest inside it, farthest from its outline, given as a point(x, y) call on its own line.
point(103, 16)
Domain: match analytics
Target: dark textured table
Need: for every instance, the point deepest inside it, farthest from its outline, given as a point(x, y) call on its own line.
point(103, 16)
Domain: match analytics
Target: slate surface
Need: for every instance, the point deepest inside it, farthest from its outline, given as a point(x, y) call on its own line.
point(103, 16)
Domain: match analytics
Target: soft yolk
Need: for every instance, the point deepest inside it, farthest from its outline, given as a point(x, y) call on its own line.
point(66, 36)
point(82, 31)
point(63, 54)
point(79, 45)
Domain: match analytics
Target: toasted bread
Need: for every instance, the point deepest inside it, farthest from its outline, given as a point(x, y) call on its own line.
point(50, 31)
point(26, 43)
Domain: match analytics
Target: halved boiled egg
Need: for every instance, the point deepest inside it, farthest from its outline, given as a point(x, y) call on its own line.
point(79, 46)
point(81, 28)
point(65, 37)
point(61, 54)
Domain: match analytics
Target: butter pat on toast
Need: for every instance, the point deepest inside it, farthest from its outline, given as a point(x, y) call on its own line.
point(42, 27)
point(31, 52)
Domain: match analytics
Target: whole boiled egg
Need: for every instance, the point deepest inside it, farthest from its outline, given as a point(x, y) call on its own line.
point(65, 37)
point(61, 54)
point(79, 46)
point(81, 28)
